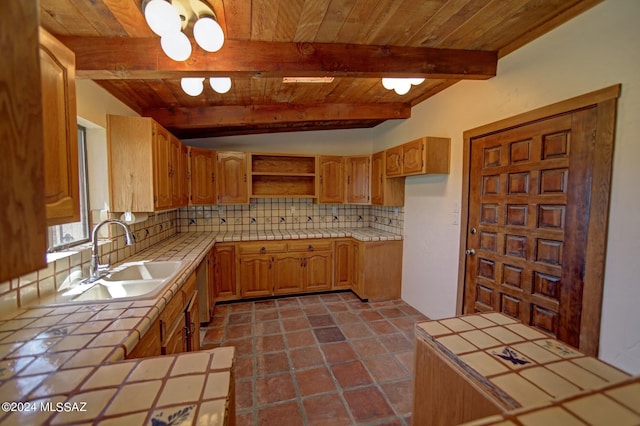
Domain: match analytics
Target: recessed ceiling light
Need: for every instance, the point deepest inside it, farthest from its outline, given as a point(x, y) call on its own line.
point(307, 79)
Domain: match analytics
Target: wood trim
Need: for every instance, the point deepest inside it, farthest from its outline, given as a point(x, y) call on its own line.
point(606, 102)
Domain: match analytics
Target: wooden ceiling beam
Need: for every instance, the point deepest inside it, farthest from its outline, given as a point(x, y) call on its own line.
point(142, 58)
point(251, 115)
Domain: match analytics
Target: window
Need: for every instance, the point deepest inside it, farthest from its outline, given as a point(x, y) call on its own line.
point(60, 237)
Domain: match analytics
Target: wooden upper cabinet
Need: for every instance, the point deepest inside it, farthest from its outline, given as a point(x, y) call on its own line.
point(421, 156)
point(393, 161)
point(331, 179)
point(22, 222)
point(385, 191)
point(146, 165)
point(183, 174)
point(358, 179)
point(202, 176)
point(60, 130)
point(232, 185)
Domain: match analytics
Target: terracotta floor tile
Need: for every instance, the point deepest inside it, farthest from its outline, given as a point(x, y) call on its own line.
point(382, 327)
point(326, 410)
point(218, 321)
point(310, 300)
point(351, 374)
point(306, 357)
point(289, 302)
point(265, 304)
point(244, 367)
point(321, 320)
point(270, 314)
point(400, 395)
point(370, 315)
point(293, 324)
point(289, 414)
point(355, 330)
point(245, 419)
point(409, 310)
point(358, 305)
point(241, 318)
point(396, 342)
point(276, 362)
point(221, 309)
point(367, 404)
point(291, 312)
point(275, 389)
point(244, 394)
point(244, 347)
point(330, 297)
point(314, 309)
point(271, 343)
point(406, 359)
point(391, 312)
point(385, 368)
point(346, 318)
point(338, 352)
point(329, 335)
point(368, 347)
point(404, 324)
point(300, 338)
point(348, 296)
point(338, 307)
point(240, 307)
point(315, 381)
point(239, 331)
point(213, 335)
point(264, 328)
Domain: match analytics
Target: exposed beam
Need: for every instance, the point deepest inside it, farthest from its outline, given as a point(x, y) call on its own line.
point(142, 58)
point(230, 116)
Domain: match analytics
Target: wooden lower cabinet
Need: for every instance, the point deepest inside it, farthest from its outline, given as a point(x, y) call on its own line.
point(442, 394)
point(192, 323)
point(254, 274)
point(288, 273)
point(225, 285)
point(149, 344)
point(319, 271)
point(346, 256)
point(379, 270)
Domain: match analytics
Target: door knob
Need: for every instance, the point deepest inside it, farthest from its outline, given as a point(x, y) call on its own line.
point(470, 252)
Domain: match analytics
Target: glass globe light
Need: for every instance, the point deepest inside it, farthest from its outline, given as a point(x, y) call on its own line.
point(192, 86)
point(416, 81)
point(176, 46)
point(388, 83)
point(220, 84)
point(161, 17)
point(208, 34)
point(402, 86)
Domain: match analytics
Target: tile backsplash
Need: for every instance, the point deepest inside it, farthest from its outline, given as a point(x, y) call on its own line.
point(265, 214)
point(66, 265)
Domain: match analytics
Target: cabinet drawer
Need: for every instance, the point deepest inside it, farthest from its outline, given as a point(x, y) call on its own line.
point(171, 313)
point(310, 245)
point(262, 248)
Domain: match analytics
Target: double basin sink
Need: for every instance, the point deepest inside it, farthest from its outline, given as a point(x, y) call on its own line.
point(133, 280)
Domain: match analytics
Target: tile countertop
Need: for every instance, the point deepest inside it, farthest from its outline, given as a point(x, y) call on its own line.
point(53, 353)
point(526, 369)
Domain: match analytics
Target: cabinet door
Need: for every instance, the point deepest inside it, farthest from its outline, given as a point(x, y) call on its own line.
point(176, 341)
point(202, 176)
point(377, 178)
point(162, 169)
point(255, 276)
point(393, 161)
point(232, 178)
point(224, 272)
point(288, 273)
point(22, 162)
point(413, 157)
point(60, 134)
point(319, 268)
point(345, 271)
point(192, 323)
point(358, 179)
point(331, 181)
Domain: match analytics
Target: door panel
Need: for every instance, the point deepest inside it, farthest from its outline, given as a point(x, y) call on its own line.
point(528, 216)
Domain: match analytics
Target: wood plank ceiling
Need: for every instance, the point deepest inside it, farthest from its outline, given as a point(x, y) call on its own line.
point(355, 41)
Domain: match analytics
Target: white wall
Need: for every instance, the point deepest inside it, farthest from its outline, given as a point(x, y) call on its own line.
point(597, 49)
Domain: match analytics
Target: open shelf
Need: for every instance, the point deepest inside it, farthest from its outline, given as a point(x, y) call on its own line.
point(283, 186)
point(274, 175)
point(284, 164)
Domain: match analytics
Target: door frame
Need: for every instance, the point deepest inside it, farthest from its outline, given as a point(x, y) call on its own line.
point(606, 102)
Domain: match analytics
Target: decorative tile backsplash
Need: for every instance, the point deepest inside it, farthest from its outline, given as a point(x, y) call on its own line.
point(74, 263)
point(264, 214)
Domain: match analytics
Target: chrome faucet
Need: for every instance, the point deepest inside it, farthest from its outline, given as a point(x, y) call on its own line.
point(95, 268)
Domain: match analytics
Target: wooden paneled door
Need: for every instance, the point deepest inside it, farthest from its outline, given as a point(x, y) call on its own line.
point(529, 217)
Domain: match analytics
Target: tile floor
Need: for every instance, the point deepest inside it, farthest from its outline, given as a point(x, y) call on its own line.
point(326, 359)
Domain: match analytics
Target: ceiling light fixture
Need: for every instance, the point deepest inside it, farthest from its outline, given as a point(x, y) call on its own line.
point(400, 85)
point(192, 86)
point(169, 19)
point(220, 84)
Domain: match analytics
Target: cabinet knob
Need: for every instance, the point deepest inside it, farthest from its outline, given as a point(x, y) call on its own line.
point(263, 250)
point(310, 248)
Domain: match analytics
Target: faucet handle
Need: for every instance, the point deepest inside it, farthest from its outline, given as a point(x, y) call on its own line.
point(105, 266)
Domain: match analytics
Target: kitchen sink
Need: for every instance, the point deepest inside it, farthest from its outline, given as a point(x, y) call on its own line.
point(144, 271)
point(134, 280)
